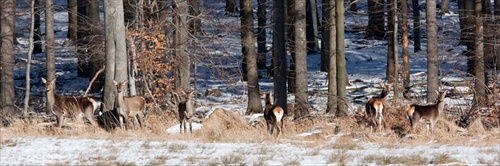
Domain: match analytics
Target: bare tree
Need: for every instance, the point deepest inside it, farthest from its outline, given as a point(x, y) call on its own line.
point(376, 22)
point(72, 19)
point(341, 62)
point(7, 35)
point(406, 54)
point(416, 26)
point(311, 26)
point(432, 52)
point(49, 40)
point(479, 86)
point(115, 50)
point(28, 63)
point(195, 21)
point(301, 103)
point(261, 34)
point(37, 43)
point(248, 53)
point(329, 40)
point(391, 51)
point(279, 54)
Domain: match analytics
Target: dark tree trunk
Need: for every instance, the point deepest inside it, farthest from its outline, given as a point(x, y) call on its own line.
point(290, 43)
point(248, 51)
point(312, 26)
point(461, 16)
point(432, 52)
point(72, 20)
point(37, 43)
point(261, 34)
point(49, 40)
point(391, 67)
point(195, 21)
point(376, 22)
point(406, 54)
point(94, 41)
point(354, 7)
point(469, 35)
point(231, 7)
point(279, 54)
point(416, 26)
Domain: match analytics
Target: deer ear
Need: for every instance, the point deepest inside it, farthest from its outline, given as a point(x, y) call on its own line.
point(116, 83)
point(192, 92)
point(44, 80)
point(437, 92)
point(125, 82)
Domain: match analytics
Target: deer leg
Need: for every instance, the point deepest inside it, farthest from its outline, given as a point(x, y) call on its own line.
point(141, 120)
point(190, 125)
point(121, 121)
point(185, 123)
point(59, 119)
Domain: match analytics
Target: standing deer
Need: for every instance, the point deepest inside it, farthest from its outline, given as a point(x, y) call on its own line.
point(273, 114)
point(73, 106)
point(129, 106)
point(375, 106)
point(185, 108)
point(426, 112)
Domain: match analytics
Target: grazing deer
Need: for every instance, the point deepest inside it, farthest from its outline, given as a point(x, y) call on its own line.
point(426, 112)
point(133, 106)
point(61, 105)
point(273, 114)
point(375, 106)
point(185, 108)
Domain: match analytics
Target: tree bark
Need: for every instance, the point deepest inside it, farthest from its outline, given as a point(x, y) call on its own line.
point(376, 22)
point(261, 34)
point(279, 54)
point(248, 51)
point(180, 44)
point(469, 35)
point(341, 62)
point(329, 38)
point(311, 26)
point(301, 103)
point(231, 7)
point(7, 64)
point(116, 55)
point(37, 43)
point(290, 43)
point(444, 7)
point(479, 86)
point(72, 20)
point(416, 26)
point(406, 54)
point(432, 52)
point(391, 67)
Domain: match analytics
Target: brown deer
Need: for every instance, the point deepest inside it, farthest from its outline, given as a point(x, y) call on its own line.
point(73, 106)
point(129, 106)
point(185, 108)
point(375, 106)
point(273, 114)
point(426, 112)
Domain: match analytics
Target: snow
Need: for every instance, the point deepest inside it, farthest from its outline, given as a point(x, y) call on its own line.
point(366, 61)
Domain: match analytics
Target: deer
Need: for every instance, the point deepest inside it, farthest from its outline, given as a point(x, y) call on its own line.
point(185, 109)
point(375, 106)
point(427, 112)
point(129, 106)
point(273, 114)
point(61, 105)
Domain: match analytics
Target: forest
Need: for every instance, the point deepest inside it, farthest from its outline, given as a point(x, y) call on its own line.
point(313, 74)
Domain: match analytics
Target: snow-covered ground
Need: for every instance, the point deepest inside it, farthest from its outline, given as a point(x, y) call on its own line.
point(366, 61)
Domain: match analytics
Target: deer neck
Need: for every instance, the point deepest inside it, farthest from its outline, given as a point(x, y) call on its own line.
point(51, 97)
point(384, 93)
point(121, 101)
point(440, 105)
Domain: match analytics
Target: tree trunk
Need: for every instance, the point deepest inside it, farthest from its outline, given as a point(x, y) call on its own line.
point(329, 38)
point(354, 7)
point(416, 26)
point(302, 105)
point(261, 34)
point(312, 26)
point(496, 48)
point(444, 7)
point(461, 16)
point(180, 44)
point(116, 55)
point(341, 62)
point(406, 54)
point(391, 67)
point(432, 52)
point(231, 7)
point(72, 19)
point(469, 35)
point(28, 62)
point(195, 21)
point(290, 43)
point(279, 54)
point(37, 43)
point(479, 86)
point(248, 51)
point(94, 41)
point(376, 22)
point(49, 40)
point(7, 35)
